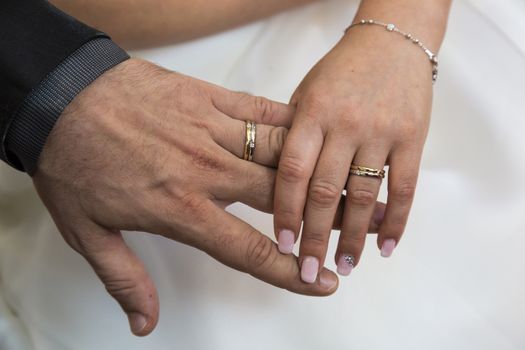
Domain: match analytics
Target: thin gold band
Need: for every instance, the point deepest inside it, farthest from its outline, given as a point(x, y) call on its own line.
point(368, 172)
point(249, 145)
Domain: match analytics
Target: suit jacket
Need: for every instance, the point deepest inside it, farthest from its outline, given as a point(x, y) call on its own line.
point(35, 39)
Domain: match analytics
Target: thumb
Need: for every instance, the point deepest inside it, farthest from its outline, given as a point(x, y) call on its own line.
point(122, 273)
point(242, 106)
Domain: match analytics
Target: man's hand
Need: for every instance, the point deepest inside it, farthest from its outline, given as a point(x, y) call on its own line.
point(145, 149)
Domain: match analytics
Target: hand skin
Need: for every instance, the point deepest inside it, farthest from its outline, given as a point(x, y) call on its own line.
point(146, 149)
point(367, 102)
point(382, 91)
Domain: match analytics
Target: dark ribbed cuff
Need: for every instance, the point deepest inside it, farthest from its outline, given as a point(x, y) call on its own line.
point(39, 112)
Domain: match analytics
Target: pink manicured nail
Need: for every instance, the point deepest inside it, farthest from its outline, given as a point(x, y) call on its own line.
point(309, 269)
point(345, 265)
point(286, 241)
point(388, 248)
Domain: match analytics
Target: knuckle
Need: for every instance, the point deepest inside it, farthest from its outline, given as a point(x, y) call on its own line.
point(77, 243)
point(203, 125)
point(380, 128)
point(286, 215)
point(276, 141)
point(206, 160)
point(316, 101)
point(349, 123)
point(410, 126)
point(264, 108)
point(403, 193)
point(83, 242)
point(324, 194)
point(261, 184)
point(395, 229)
point(361, 197)
point(223, 241)
point(411, 132)
point(315, 239)
point(292, 169)
point(261, 253)
point(410, 129)
point(122, 289)
point(193, 205)
point(352, 243)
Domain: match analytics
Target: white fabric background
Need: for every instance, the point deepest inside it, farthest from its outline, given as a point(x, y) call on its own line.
point(457, 281)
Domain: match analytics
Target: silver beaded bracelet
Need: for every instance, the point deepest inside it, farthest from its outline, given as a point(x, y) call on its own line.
point(392, 28)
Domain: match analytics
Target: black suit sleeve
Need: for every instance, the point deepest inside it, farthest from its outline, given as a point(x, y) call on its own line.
point(46, 59)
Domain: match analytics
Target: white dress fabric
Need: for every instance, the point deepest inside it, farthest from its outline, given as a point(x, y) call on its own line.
point(457, 281)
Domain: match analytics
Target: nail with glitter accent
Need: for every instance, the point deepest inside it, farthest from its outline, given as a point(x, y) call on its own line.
point(345, 265)
point(388, 248)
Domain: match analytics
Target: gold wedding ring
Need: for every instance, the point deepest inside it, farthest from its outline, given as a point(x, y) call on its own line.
point(368, 172)
point(249, 144)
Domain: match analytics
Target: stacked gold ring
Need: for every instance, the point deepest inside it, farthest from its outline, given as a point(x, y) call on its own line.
point(368, 172)
point(249, 144)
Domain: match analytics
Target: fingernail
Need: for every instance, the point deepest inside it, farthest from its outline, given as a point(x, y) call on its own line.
point(327, 279)
point(388, 248)
point(137, 322)
point(345, 265)
point(309, 269)
point(286, 241)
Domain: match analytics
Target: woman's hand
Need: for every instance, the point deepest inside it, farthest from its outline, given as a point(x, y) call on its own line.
point(367, 102)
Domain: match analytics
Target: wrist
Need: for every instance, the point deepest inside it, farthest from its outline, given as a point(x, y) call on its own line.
point(393, 34)
point(373, 46)
point(426, 20)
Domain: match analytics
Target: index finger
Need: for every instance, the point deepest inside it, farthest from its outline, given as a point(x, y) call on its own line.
point(242, 106)
point(240, 246)
point(296, 166)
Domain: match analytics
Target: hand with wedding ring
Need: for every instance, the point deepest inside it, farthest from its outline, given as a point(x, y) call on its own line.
point(364, 106)
point(146, 149)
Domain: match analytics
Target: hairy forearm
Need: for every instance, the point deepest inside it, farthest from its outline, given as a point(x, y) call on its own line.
point(142, 23)
point(426, 20)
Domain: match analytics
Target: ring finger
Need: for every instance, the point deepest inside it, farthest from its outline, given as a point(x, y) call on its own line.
point(325, 191)
point(362, 192)
point(230, 134)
